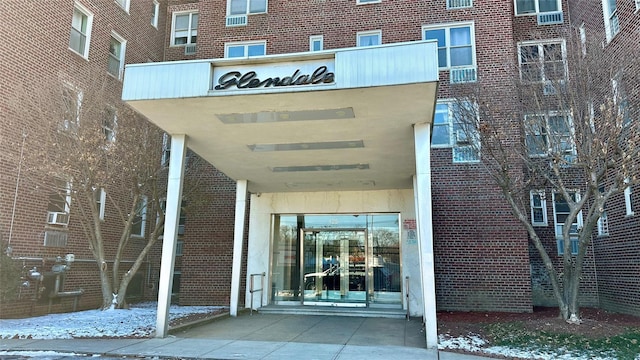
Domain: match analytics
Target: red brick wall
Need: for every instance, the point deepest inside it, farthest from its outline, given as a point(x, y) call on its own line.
point(617, 256)
point(37, 53)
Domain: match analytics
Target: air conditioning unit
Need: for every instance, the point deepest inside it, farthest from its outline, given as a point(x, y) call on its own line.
point(55, 238)
point(57, 218)
point(550, 18)
point(236, 20)
point(462, 75)
point(461, 137)
point(458, 4)
point(190, 49)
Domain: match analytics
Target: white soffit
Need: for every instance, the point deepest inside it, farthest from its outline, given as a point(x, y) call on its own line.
point(345, 134)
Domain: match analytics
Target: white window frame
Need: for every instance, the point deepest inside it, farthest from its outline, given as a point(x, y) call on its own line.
point(84, 52)
point(583, 39)
point(536, 7)
point(460, 153)
point(166, 150)
point(124, 4)
point(120, 58)
point(143, 217)
point(72, 93)
point(155, 13)
point(246, 45)
point(190, 32)
point(541, 59)
point(316, 39)
point(637, 5)
point(447, 28)
point(365, 2)
point(109, 129)
point(558, 226)
point(603, 220)
point(620, 99)
point(546, 133)
point(611, 20)
point(248, 8)
point(361, 34)
point(101, 200)
point(628, 204)
point(543, 207)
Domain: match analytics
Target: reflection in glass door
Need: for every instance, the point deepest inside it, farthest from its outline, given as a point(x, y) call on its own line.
point(334, 267)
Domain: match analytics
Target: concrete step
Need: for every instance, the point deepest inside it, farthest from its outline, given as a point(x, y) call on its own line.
point(334, 311)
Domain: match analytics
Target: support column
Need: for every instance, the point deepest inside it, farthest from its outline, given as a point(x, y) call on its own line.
point(170, 238)
point(238, 237)
point(424, 220)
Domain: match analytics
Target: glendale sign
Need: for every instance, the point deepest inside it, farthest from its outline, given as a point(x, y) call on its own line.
point(250, 80)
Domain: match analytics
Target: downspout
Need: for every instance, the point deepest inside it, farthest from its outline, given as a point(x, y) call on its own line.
point(15, 195)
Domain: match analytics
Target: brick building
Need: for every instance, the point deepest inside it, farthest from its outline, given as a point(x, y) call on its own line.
point(328, 169)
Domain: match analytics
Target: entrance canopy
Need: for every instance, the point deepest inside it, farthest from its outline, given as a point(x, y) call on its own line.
point(331, 120)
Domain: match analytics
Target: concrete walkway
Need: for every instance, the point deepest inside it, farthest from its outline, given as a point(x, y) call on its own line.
point(266, 337)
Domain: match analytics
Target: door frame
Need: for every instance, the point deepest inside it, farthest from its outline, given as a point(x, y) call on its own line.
point(368, 275)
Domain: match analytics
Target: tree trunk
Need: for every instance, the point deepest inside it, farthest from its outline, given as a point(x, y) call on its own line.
point(105, 282)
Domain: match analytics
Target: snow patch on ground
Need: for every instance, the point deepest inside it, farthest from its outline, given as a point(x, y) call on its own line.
point(474, 343)
point(139, 321)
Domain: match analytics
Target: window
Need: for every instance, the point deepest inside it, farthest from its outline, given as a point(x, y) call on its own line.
point(80, 30)
point(139, 218)
point(245, 49)
point(610, 15)
point(583, 39)
point(166, 149)
point(155, 13)
point(181, 220)
point(316, 43)
point(71, 102)
point(627, 199)
point(561, 212)
point(620, 99)
point(456, 44)
point(359, 2)
point(637, 5)
point(175, 285)
point(242, 7)
point(449, 131)
point(369, 38)
point(100, 196)
point(528, 7)
point(124, 4)
point(603, 220)
point(59, 203)
point(109, 123)
point(550, 135)
point(117, 50)
point(542, 62)
point(538, 202)
point(184, 28)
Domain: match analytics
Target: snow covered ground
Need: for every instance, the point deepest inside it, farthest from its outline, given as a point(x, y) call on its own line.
point(139, 321)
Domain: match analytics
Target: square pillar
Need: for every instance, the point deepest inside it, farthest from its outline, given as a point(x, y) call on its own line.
point(424, 220)
point(170, 236)
point(238, 237)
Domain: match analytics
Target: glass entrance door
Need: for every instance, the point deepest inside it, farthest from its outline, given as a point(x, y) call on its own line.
point(334, 267)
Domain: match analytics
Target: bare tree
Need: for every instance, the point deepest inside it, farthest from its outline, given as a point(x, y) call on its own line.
point(89, 149)
point(562, 130)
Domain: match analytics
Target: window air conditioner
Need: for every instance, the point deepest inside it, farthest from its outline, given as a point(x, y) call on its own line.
point(236, 20)
point(57, 218)
point(550, 18)
point(190, 49)
point(461, 137)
